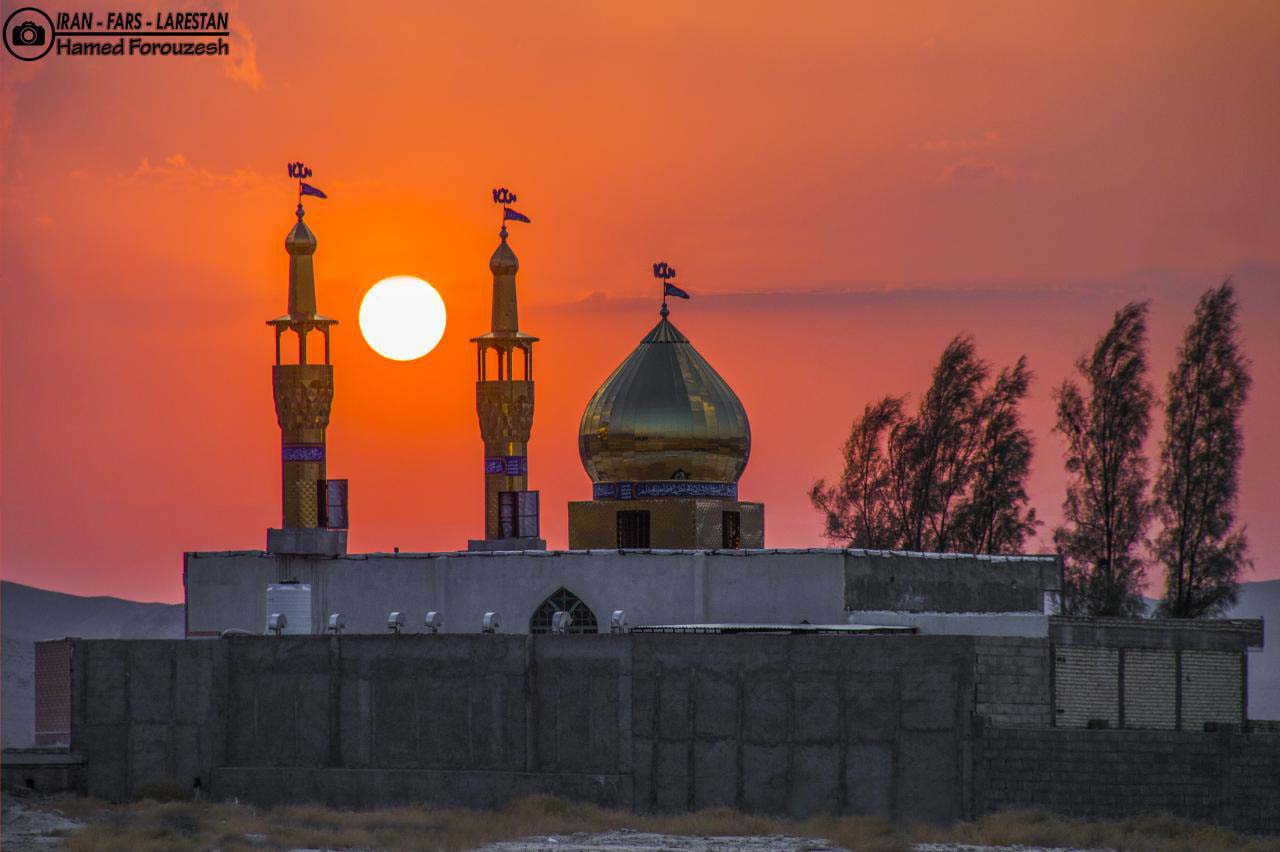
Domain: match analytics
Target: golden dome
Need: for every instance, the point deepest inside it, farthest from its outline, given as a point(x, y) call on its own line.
point(664, 414)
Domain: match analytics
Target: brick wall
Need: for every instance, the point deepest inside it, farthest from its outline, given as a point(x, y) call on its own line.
point(1211, 688)
point(1139, 687)
point(1150, 689)
point(1086, 685)
point(53, 692)
point(1231, 779)
point(1012, 681)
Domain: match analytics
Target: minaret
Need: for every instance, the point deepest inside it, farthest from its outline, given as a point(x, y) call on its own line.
point(313, 508)
point(505, 407)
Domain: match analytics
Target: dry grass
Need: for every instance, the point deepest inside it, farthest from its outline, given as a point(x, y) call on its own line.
point(168, 825)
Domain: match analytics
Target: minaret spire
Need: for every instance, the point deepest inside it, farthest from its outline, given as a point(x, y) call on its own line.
point(504, 404)
point(313, 508)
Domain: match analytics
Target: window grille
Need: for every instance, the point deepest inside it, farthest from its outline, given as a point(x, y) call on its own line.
point(518, 514)
point(563, 600)
point(633, 529)
point(731, 530)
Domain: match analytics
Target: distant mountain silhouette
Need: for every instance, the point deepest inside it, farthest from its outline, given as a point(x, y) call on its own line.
point(28, 614)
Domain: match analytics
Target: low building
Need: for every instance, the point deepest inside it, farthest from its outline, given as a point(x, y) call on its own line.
point(822, 585)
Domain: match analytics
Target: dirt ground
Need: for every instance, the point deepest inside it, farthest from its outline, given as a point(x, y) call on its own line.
point(28, 825)
point(547, 824)
point(629, 841)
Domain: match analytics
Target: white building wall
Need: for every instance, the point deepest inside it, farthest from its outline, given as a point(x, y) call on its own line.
point(227, 589)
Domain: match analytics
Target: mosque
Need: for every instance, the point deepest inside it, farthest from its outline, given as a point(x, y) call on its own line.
point(664, 539)
point(907, 686)
point(665, 544)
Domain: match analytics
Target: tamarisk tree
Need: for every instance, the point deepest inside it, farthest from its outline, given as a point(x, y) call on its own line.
point(1106, 507)
point(950, 477)
point(1195, 492)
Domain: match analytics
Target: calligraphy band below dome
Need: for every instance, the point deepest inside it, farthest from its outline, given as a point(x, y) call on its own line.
point(658, 489)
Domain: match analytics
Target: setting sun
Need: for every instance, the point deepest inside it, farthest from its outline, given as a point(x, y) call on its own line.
point(402, 318)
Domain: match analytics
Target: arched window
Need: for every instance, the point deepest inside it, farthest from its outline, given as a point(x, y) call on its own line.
point(563, 600)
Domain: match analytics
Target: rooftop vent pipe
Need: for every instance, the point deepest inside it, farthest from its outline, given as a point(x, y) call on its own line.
point(395, 622)
point(560, 622)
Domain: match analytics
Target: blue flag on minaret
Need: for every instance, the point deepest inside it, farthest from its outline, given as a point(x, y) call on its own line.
point(669, 289)
point(308, 189)
point(508, 213)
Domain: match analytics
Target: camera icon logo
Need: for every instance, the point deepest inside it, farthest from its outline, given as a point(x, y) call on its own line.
point(28, 34)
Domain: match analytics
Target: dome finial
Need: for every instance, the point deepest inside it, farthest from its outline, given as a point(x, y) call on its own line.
point(664, 272)
point(506, 198)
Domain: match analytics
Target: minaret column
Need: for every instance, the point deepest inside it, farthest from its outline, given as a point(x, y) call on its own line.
point(504, 406)
point(313, 508)
point(505, 410)
point(304, 397)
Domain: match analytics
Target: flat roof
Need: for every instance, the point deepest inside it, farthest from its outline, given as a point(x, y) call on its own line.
point(772, 628)
point(783, 551)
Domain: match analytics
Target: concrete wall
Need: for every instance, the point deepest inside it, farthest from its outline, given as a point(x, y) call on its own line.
point(803, 724)
point(227, 590)
point(790, 725)
point(1226, 778)
point(948, 582)
point(147, 710)
point(1012, 679)
point(794, 725)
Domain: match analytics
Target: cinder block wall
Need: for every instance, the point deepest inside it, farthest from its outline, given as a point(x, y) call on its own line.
point(793, 725)
point(1230, 779)
point(803, 725)
point(1012, 681)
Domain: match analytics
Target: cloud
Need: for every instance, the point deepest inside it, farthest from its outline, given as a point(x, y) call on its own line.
point(176, 168)
point(242, 64)
point(970, 143)
point(601, 301)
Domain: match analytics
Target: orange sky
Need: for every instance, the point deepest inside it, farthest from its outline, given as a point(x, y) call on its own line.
point(843, 188)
